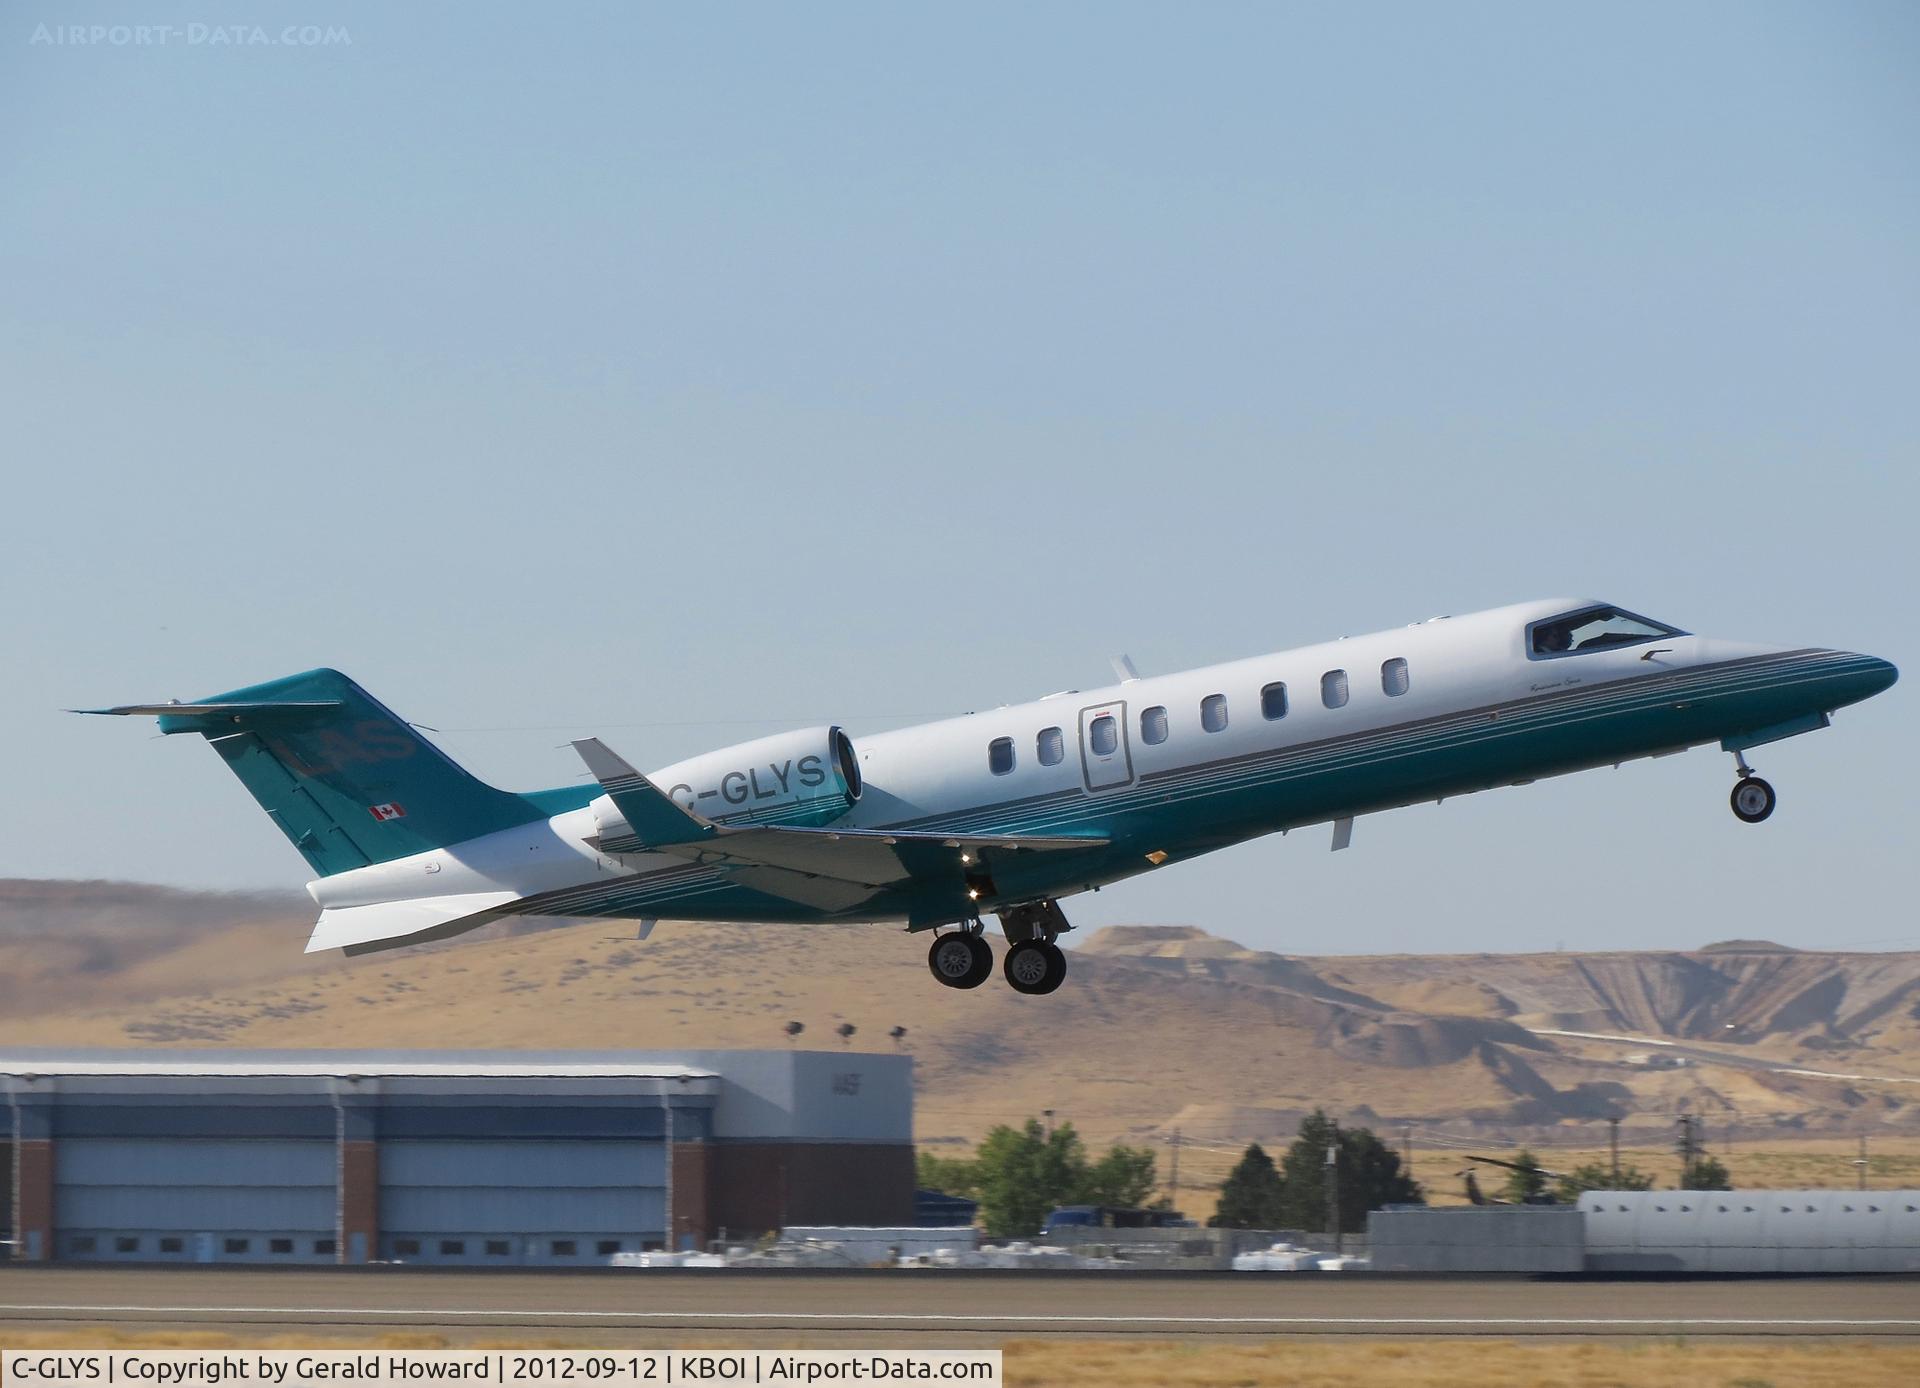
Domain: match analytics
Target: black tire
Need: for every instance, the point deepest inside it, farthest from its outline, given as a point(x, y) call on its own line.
point(1035, 967)
point(982, 962)
point(960, 960)
point(1752, 800)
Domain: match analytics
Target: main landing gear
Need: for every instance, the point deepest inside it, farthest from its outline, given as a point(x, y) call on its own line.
point(962, 959)
point(1753, 799)
point(1035, 966)
point(1034, 963)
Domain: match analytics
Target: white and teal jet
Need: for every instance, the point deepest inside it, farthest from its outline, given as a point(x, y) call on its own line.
point(1005, 812)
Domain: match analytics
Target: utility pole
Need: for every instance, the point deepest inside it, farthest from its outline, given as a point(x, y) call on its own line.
point(1173, 1178)
point(1688, 1146)
point(1333, 1197)
point(1613, 1148)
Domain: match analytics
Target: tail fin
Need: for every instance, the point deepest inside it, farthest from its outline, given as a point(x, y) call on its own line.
point(348, 782)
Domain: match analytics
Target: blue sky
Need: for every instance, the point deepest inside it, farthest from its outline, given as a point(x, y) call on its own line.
point(680, 373)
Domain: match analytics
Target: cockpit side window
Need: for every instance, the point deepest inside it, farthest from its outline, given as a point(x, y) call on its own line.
point(1592, 629)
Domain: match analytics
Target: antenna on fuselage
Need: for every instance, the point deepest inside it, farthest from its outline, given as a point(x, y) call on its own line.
point(1123, 667)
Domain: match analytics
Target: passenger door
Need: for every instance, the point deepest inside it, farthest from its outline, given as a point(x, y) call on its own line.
point(1105, 759)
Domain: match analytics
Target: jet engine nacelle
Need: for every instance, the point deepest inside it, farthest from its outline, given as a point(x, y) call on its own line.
point(810, 777)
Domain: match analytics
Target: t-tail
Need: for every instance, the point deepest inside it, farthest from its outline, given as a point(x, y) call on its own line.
point(348, 781)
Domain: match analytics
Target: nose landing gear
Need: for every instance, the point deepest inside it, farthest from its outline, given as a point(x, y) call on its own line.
point(1753, 799)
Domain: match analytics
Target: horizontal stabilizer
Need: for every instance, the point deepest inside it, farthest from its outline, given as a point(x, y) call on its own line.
point(360, 929)
point(656, 821)
point(176, 709)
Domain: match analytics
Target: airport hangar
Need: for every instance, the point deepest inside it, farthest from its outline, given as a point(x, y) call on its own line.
point(470, 1158)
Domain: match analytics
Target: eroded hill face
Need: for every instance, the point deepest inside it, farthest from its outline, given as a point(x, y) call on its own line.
point(1157, 1027)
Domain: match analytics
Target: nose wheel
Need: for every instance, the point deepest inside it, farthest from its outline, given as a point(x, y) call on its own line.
point(1753, 800)
point(960, 960)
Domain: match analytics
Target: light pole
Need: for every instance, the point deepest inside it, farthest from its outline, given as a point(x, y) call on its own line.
point(1333, 1197)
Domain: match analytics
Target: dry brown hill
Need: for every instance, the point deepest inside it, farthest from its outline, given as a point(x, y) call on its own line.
point(1157, 1027)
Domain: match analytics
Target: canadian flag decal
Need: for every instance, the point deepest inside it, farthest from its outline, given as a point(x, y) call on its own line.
point(387, 811)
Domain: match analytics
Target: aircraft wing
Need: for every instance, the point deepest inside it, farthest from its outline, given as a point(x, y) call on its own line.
point(871, 857)
point(826, 867)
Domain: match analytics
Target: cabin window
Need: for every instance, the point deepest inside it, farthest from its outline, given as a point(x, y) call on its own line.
point(1333, 689)
point(1153, 724)
point(1273, 702)
point(1050, 747)
point(320, 1246)
point(1000, 756)
point(453, 1248)
point(498, 1248)
point(1213, 713)
point(564, 1248)
point(1393, 677)
point(238, 1245)
point(1595, 629)
point(279, 1245)
point(606, 1246)
point(1103, 735)
point(173, 1245)
point(125, 1244)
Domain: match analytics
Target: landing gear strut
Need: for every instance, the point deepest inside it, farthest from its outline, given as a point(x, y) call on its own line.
point(1753, 799)
point(962, 959)
point(1035, 964)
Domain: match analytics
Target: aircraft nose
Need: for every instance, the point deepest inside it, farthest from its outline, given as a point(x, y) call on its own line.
point(1860, 677)
point(1880, 674)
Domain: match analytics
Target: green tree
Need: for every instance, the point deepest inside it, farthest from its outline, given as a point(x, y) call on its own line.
point(1522, 1185)
point(1024, 1173)
point(1124, 1176)
point(1707, 1173)
point(1596, 1175)
point(1021, 1174)
point(953, 1175)
point(1250, 1196)
point(1370, 1175)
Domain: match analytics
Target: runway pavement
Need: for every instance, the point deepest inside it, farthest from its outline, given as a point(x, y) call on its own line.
point(933, 1308)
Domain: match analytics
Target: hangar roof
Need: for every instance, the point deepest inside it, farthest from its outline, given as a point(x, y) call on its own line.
point(322, 1064)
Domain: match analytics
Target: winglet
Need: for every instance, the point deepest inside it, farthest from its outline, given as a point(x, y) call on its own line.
point(652, 816)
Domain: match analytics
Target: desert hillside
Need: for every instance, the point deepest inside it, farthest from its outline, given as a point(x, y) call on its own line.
point(1158, 1028)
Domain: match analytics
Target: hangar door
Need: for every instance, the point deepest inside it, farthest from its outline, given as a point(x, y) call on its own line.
point(549, 1201)
point(203, 1200)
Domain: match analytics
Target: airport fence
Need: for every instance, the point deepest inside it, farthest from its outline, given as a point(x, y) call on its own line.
point(1191, 1249)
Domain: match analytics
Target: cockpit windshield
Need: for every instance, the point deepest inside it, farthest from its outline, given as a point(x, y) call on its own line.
point(1594, 629)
